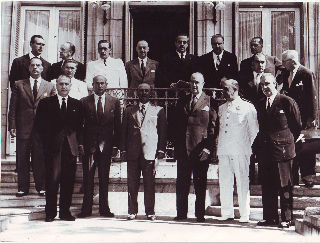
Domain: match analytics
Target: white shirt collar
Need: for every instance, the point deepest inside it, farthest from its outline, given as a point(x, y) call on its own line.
point(96, 97)
point(60, 99)
point(215, 56)
point(294, 71)
point(32, 82)
point(236, 101)
point(104, 60)
point(271, 98)
point(146, 105)
point(183, 54)
point(32, 56)
point(144, 61)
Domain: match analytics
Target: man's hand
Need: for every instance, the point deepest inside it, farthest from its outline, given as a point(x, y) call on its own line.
point(123, 156)
point(311, 123)
point(204, 155)
point(13, 132)
point(160, 155)
point(114, 152)
point(81, 149)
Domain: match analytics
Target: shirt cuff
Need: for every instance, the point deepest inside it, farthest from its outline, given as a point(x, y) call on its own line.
point(206, 150)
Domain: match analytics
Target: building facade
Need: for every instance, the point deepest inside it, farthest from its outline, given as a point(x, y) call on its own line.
point(282, 25)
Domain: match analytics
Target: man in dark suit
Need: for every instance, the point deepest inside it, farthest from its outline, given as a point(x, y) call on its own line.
point(24, 101)
point(102, 124)
point(194, 141)
point(142, 69)
point(144, 129)
point(279, 126)
point(59, 123)
point(273, 64)
point(217, 64)
point(175, 66)
point(299, 84)
point(67, 51)
point(20, 66)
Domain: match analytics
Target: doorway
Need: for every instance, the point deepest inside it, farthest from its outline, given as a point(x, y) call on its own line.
point(158, 25)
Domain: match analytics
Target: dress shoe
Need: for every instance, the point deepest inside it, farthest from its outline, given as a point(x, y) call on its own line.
point(107, 214)
point(21, 194)
point(67, 218)
point(42, 193)
point(83, 215)
point(179, 218)
point(49, 219)
point(201, 219)
point(151, 217)
point(308, 184)
point(285, 224)
point(269, 222)
point(132, 216)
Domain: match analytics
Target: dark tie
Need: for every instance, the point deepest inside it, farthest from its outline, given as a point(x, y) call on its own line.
point(143, 110)
point(142, 67)
point(105, 62)
point(99, 109)
point(268, 104)
point(64, 106)
point(218, 61)
point(193, 102)
point(35, 89)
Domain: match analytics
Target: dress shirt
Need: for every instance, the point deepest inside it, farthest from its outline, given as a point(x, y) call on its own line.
point(32, 82)
point(143, 60)
point(257, 78)
point(271, 99)
point(140, 115)
point(60, 100)
point(103, 100)
point(215, 58)
point(238, 128)
point(182, 55)
point(114, 71)
point(32, 56)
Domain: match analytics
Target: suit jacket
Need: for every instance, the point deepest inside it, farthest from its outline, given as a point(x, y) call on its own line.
point(20, 69)
point(273, 64)
point(248, 88)
point(303, 91)
point(172, 69)
point(147, 136)
point(22, 108)
point(53, 126)
point(135, 76)
point(108, 130)
point(56, 70)
point(194, 129)
point(228, 68)
point(278, 128)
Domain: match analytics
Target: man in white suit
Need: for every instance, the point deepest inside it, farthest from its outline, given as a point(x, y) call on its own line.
point(79, 88)
point(111, 68)
point(238, 127)
point(144, 129)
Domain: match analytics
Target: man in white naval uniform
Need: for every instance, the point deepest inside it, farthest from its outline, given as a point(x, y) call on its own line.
point(238, 127)
point(111, 68)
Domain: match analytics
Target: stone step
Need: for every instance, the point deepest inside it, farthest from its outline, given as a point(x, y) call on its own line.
point(4, 222)
point(306, 228)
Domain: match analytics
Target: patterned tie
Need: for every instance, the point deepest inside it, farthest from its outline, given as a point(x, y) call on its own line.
point(64, 106)
point(99, 109)
point(193, 102)
point(142, 68)
point(218, 61)
point(35, 89)
point(290, 79)
point(143, 110)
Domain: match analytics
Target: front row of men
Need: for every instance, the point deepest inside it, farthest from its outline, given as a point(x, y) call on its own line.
point(66, 127)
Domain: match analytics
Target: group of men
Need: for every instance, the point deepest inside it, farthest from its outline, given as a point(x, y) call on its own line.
point(56, 124)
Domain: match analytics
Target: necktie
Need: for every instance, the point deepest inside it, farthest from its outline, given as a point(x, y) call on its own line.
point(105, 62)
point(181, 56)
point(35, 89)
point(290, 79)
point(257, 81)
point(193, 102)
point(142, 68)
point(99, 109)
point(64, 106)
point(268, 104)
point(143, 110)
point(218, 61)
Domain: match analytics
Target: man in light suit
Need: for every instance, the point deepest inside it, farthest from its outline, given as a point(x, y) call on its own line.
point(194, 126)
point(279, 127)
point(25, 98)
point(111, 68)
point(143, 140)
point(20, 66)
point(238, 127)
point(78, 88)
point(102, 124)
point(218, 64)
point(141, 69)
point(67, 51)
point(273, 64)
point(299, 84)
point(59, 123)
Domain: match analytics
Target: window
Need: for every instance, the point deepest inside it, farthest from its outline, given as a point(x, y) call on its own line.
point(279, 28)
point(56, 24)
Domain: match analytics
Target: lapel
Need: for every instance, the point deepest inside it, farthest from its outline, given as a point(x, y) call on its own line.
point(26, 63)
point(137, 66)
point(296, 78)
point(274, 104)
point(134, 113)
point(41, 90)
point(107, 106)
point(199, 103)
point(187, 104)
point(92, 105)
point(148, 67)
point(148, 113)
point(27, 88)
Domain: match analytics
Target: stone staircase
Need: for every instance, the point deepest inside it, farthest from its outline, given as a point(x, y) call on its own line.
point(33, 206)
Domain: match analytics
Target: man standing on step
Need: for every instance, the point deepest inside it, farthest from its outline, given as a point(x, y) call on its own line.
point(102, 124)
point(238, 127)
point(143, 140)
point(279, 127)
point(59, 123)
point(194, 125)
point(24, 101)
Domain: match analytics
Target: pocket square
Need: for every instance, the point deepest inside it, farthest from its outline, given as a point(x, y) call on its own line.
point(281, 111)
point(153, 71)
point(299, 84)
point(206, 108)
point(229, 64)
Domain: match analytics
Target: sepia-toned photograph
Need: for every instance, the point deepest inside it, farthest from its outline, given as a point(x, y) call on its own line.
point(160, 121)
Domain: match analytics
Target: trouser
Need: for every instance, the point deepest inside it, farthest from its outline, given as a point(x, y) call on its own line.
point(277, 179)
point(102, 160)
point(25, 147)
point(184, 169)
point(60, 170)
point(230, 166)
point(134, 169)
